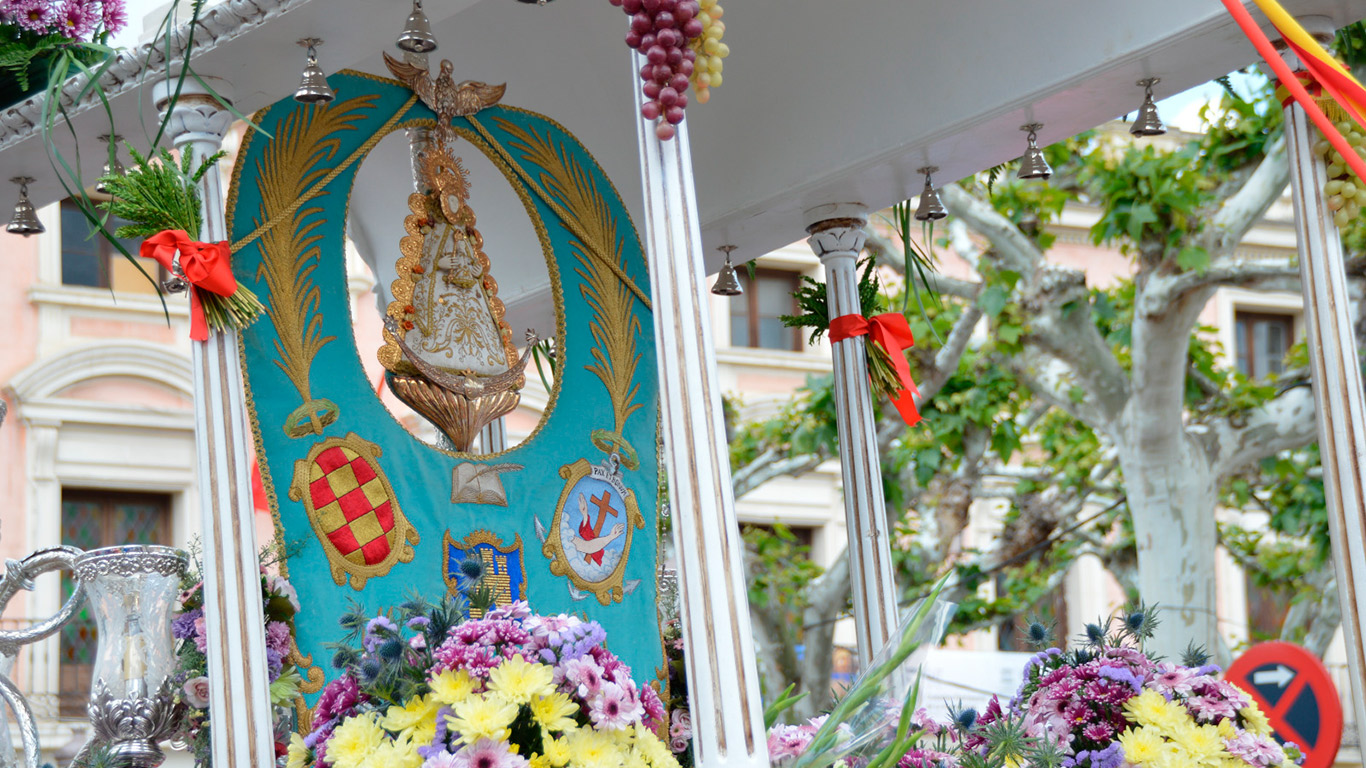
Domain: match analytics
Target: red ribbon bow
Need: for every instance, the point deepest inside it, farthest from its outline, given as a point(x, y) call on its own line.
point(205, 266)
point(894, 334)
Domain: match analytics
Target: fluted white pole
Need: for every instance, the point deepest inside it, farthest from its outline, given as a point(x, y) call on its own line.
point(1335, 370)
point(837, 237)
point(239, 690)
point(723, 679)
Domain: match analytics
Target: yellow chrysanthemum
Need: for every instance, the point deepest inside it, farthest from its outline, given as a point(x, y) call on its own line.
point(518, 681)
point(588, 747)
point(299, 755)
point(451, 688)
point(1142, 746)
point(554, 750)
point(1146, 708)
point(539, 761)
point(399, 753)
point(1255, 721)
point(484, 716)
point(415, 713)
point(1201, 744)
point(354, 741)
point(1227, 729)
point(653, 750)
point(553, 712)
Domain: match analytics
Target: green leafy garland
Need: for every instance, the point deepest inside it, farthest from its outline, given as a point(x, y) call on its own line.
point(813, 311)
point(157, 194)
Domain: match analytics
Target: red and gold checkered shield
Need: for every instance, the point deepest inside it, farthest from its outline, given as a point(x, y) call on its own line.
point(353, 509)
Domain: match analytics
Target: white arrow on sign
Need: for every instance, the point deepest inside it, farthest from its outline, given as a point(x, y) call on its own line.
point(1277, 677)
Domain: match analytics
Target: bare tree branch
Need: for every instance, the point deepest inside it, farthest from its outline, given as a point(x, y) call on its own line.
point(1250, 203)
point(1016, 251)
point(1288, 421)
point(1233, 273)
point(771, 464)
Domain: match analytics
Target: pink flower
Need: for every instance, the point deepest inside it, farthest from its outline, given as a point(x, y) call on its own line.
point(76, 19)
point(197, 692)
point(789, 740)
point(201, 635)
point(680, 724)
point(654, 708)
point(278, 637)
point(615, 707)
point(418, 642)
point(439, 759)
point(33, 15)
point(487, 753)
point(585, 675)
point(114, 17)
point(278, 585)
point(1178, 680)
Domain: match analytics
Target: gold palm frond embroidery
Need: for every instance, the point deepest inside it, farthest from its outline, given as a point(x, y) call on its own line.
point(598, 248)
point(288, 168)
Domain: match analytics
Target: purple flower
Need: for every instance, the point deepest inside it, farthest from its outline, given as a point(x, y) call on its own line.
point(337, 698)
point(654, 708)
point(114, 17)
point(183, 626)
point(1119, 674)
point(615, 708)
point(33, 15)
point(275, 663)
point(76, 19)
point(374, 632)
point(278, 637)
point(419, 623)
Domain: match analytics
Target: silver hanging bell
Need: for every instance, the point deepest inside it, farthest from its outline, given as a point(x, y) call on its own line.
point(931, 207)
point(313, 87)
point(114, 167)
point(176, 283)
point(25, 220)
point(417, 36)
point(1148, 123)
point(727, 282)
point(1032, 162)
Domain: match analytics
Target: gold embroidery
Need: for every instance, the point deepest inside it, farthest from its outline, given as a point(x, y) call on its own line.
point(288, 167)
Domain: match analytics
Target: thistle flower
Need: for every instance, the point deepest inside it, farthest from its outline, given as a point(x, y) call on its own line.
point(1038, 634)
point(963, 718)
point(1194, 656)
point(472, 568)
point(1095, 633)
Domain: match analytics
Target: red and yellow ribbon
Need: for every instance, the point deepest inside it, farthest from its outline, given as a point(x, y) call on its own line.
point(894, 334)
point(205, 266)
point(1325, 71)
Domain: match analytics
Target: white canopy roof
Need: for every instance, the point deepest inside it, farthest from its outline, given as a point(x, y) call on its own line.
point(822, 101)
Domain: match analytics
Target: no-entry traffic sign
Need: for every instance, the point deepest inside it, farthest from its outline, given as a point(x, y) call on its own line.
point(1292, 687)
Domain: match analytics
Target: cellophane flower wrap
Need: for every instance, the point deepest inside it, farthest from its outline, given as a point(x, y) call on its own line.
point(1107, 703)
point(281, 603)
point(422, 686)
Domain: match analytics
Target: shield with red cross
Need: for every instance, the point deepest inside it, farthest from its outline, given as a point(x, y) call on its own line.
point(353, 510)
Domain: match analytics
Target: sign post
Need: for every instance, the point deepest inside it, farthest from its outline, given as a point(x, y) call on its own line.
point(1293, 688)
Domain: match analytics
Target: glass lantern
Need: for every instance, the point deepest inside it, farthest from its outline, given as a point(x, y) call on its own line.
point(132, 591)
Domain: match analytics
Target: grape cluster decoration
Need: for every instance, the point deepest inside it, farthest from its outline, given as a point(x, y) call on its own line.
point(706, 72)
point(1346, 193)
point(662, 31)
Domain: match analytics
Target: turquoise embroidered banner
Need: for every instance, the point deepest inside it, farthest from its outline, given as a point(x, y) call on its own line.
point(567, 519)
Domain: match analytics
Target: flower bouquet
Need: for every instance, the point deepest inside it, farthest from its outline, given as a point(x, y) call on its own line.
point(421, 685)
point(33, 33)
point(1109, 704)
point(281, 604)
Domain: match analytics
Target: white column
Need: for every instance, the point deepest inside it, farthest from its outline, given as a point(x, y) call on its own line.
point(493, 438)
point(1336, 375)
point(723, 679)
point(837, 237)
point(239, 692)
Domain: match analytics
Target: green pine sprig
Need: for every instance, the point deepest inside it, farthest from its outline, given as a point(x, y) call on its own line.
point(157, 193)
point(813, 312)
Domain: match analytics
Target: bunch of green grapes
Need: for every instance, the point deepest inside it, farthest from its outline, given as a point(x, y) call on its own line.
point(710, 50)
point(1346, 193)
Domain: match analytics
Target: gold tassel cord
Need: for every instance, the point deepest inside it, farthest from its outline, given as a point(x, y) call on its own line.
point(570, 221)
point(317, 189)
point(596, 245)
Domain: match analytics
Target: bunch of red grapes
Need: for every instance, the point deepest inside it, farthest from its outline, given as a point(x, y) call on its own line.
point(660, 30)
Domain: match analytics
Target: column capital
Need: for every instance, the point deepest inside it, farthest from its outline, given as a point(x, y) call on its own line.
point(197, 115)
point(842, 238)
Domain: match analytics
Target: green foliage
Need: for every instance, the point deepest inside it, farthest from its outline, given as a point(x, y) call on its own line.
point(158, 193)
point(1150, 198)
point(813, 306)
